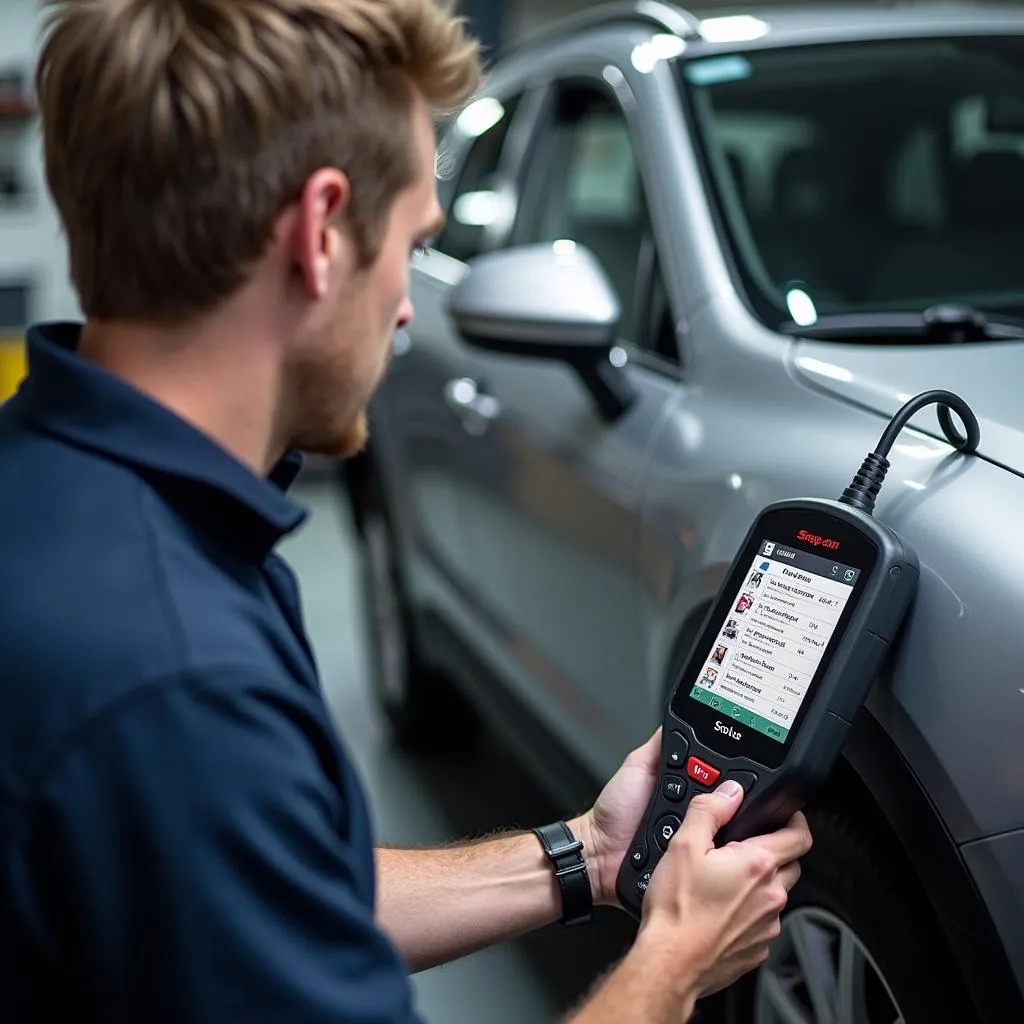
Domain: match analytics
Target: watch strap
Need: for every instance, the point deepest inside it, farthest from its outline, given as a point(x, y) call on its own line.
point(565, 852)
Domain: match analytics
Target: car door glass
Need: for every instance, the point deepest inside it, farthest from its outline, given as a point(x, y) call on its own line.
point(583, 184)
point(477, 201)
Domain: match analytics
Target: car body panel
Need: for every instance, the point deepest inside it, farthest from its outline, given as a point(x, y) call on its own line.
point(557, 546)
point(422, 435)
point(810, 25)
point(986, 375)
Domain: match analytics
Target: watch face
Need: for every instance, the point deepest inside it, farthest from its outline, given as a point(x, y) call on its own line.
point(773, 633)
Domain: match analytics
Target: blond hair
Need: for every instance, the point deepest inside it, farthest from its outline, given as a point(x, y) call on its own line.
point(176, 131)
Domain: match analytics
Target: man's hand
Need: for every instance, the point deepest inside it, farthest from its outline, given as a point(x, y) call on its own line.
point(723, 905)
point(607, 830)
point(709, 915)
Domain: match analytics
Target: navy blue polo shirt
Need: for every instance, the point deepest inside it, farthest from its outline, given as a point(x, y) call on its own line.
point(182, 837)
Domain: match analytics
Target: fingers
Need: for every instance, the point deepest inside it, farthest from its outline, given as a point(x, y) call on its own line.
point(790, 875)
point(789, 843)
point(708, 812)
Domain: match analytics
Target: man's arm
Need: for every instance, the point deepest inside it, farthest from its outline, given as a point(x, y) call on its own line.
point(441, 904)
point(709, 915)
point(438, 905)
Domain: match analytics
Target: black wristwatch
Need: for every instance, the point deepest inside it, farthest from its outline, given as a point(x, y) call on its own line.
point(565, 852)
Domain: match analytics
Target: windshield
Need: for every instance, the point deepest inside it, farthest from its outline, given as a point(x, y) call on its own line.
point(870, 176)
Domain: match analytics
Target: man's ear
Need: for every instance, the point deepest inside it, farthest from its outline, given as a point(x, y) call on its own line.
point(321, 240)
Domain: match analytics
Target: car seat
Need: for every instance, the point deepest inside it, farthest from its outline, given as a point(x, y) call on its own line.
point(979, 248)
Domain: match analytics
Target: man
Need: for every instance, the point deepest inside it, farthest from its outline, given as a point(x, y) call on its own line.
point(182, 837)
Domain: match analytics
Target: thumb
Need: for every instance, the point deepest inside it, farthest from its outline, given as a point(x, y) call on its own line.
point(708, 812)
point(648, 755)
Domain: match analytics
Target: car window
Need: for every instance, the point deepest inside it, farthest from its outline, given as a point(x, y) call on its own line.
point(917, 189)
point(868, 176)
point(467, 165)
point(583, 184)
point(756, 147)
point(987, 124)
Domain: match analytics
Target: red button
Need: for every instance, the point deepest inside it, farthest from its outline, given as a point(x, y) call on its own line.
point(701, 772)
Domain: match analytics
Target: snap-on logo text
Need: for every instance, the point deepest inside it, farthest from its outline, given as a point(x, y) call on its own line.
point(819, 542)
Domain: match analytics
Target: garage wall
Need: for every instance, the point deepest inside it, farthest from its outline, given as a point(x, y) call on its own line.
point(525, 17)
point(32, 250)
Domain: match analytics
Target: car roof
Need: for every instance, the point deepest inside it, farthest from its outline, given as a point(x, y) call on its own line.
point(824, 23)
point(786, 26)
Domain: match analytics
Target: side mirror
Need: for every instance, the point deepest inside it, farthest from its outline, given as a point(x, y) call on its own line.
point(546, 302)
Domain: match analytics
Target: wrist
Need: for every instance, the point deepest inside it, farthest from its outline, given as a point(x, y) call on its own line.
point(657, 945)
point(594, 854)
point(566, 853)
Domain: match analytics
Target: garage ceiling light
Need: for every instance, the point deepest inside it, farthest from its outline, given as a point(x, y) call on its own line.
point(737, 28)
point(479, 117)
point(646, 56)
point(801, 307)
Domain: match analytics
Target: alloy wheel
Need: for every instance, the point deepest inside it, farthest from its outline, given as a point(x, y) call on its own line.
point(820, 972)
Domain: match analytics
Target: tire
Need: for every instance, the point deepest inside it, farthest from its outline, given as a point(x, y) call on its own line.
point(422, 707)
point(857, 914)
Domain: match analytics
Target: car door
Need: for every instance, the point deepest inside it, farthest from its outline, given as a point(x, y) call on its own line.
point(428, 439)
point(555, 514)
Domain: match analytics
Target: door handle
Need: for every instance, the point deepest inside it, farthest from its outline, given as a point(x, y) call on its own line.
point(471, 404)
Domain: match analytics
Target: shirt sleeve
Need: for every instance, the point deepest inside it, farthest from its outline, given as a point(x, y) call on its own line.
point(196, 855)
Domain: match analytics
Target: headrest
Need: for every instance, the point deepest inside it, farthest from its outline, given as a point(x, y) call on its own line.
point(991, 190)
point(807, 184)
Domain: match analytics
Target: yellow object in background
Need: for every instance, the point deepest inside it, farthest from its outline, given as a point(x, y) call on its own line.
point(12, 366)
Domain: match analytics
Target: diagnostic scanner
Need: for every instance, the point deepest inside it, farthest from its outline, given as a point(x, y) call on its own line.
point(785, 658)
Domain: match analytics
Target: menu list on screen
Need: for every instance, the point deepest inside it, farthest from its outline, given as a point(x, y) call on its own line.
point(780, 622)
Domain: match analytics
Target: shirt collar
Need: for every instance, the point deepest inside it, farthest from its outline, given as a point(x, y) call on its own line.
point(82, 403)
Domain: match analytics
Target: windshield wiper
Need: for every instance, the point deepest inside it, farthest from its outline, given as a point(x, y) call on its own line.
point(949, 324)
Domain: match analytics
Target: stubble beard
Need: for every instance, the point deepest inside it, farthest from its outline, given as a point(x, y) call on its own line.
point(355, 439)
point(325, 434)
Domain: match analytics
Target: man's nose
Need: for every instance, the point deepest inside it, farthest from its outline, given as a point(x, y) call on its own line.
point(405, 313)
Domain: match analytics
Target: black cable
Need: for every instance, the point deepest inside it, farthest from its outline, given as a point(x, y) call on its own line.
point(864, 488)
point(945, 400)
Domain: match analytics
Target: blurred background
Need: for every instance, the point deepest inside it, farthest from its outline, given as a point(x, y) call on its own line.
point(501, 23)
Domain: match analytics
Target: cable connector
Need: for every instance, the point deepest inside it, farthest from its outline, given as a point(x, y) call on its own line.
point(864, 488)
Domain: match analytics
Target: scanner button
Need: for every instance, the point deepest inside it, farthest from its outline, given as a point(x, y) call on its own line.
point(638, 855)
point(745, 779)
point(665, 829)
point(702, 772)
point(673, 788)
point(676, 749)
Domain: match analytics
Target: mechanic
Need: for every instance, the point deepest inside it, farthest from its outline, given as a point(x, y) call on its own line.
point(182, 836)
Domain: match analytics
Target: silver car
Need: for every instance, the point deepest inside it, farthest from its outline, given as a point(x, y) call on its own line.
point(692, 266)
